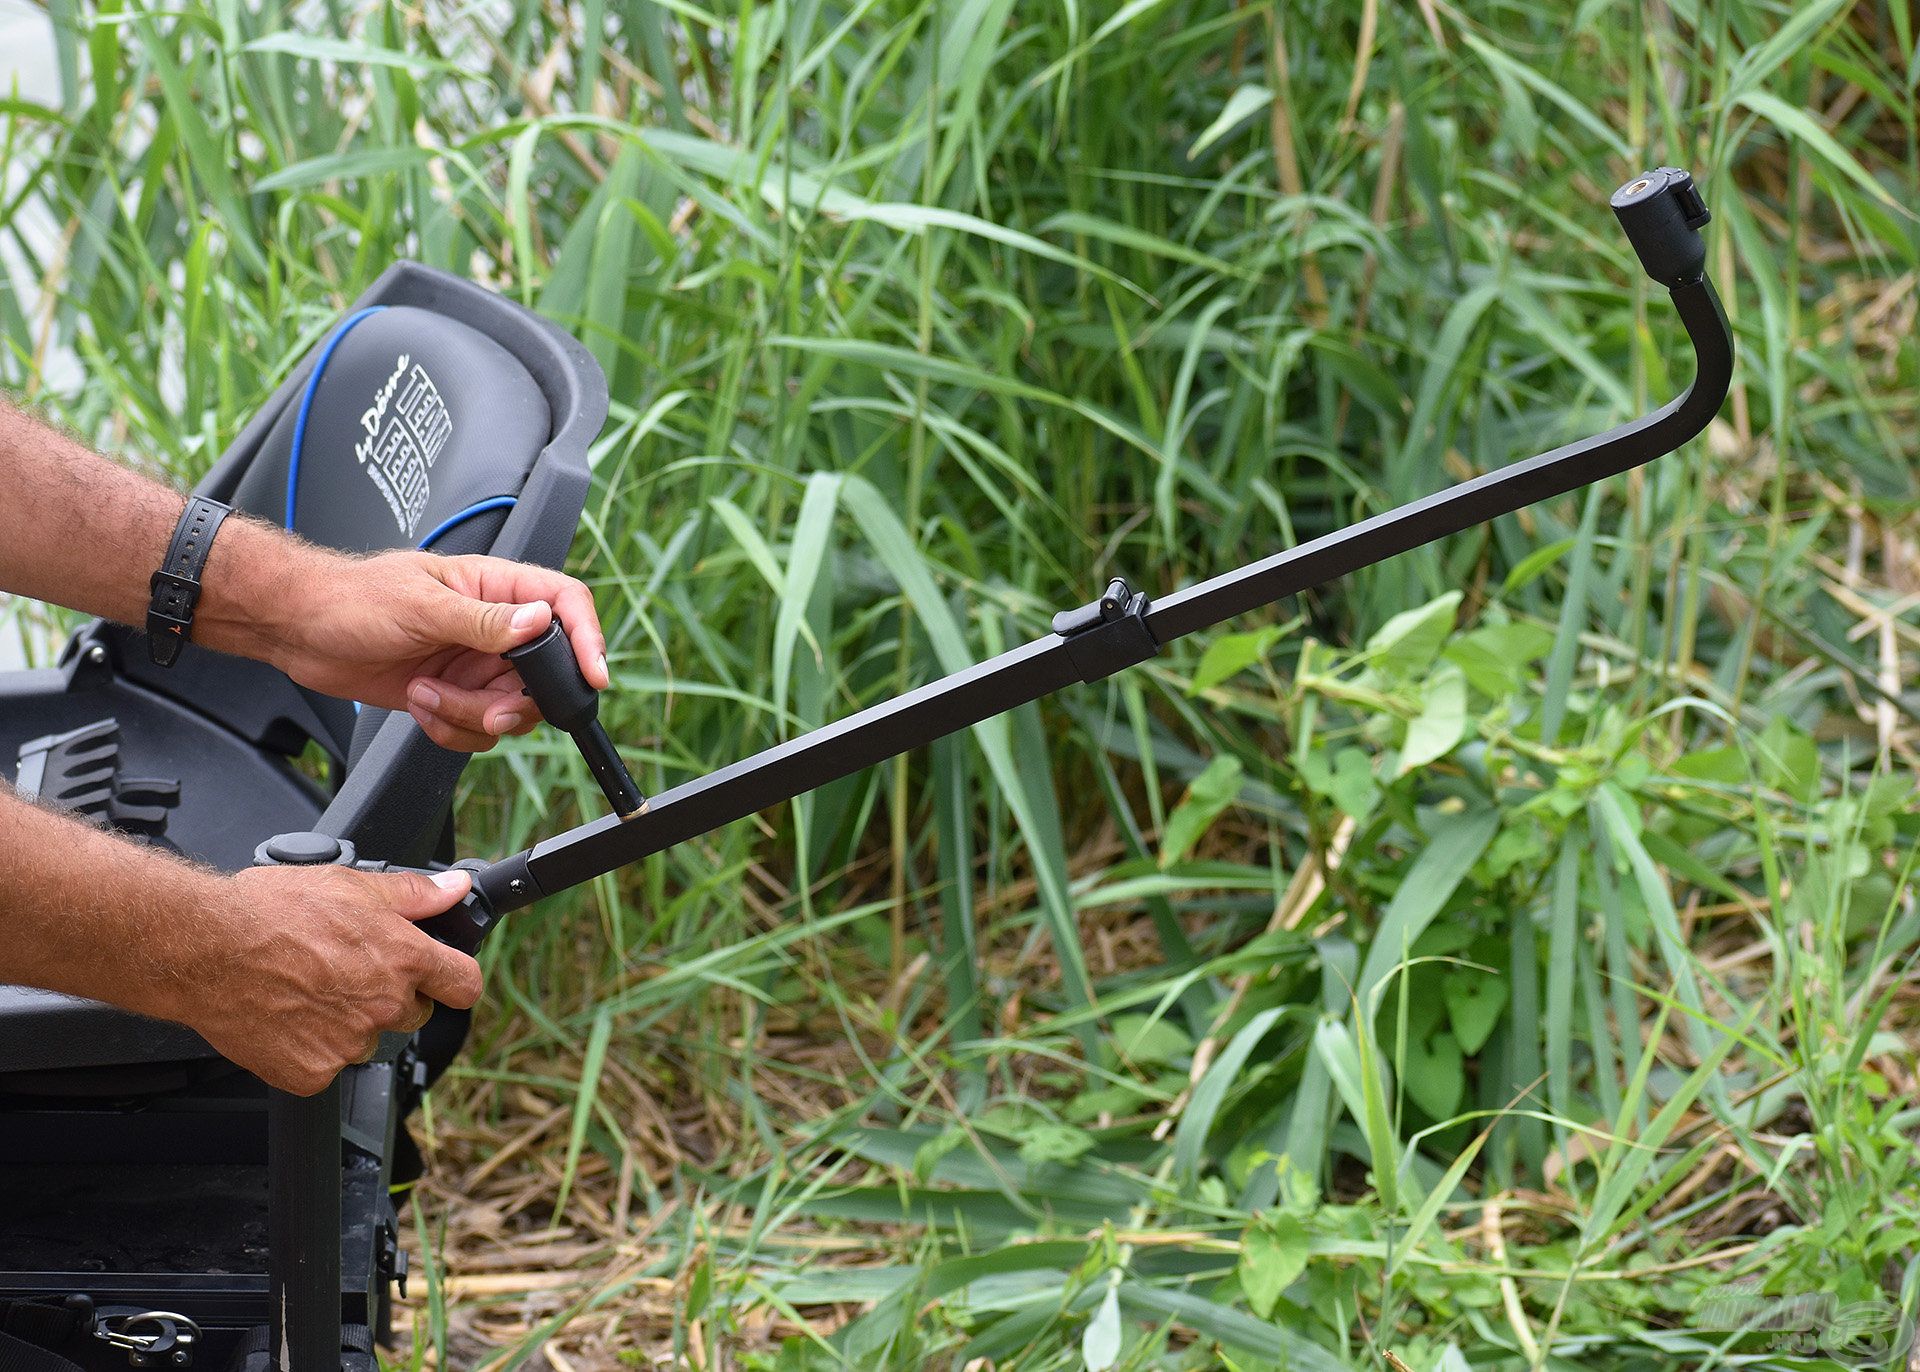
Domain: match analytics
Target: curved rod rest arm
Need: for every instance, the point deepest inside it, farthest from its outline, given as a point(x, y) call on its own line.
point(1661, 214)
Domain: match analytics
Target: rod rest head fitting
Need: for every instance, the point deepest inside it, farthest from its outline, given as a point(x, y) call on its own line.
point(554, 680)
point(1663, 214)
point(1107, 635)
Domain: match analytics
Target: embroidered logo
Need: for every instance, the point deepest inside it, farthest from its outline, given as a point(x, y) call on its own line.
point(407, 427)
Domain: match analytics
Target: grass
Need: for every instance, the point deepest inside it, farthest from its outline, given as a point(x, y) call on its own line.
point(1499, 960)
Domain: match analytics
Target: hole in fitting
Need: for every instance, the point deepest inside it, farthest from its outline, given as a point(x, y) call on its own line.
point(1638, 186)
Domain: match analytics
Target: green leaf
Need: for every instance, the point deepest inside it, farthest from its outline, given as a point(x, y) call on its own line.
point(1454, 843)
point(1788, 758)
point(1025, 794)
point(1529, 568)
point(1495, 657)
point(808, 550)
point(1231, 654)
point(748, 536)
point(1273, 1254)
point(1243, 103)
point(1217, 786)
point(1441, 723)
point(591, 1065)
point(321, 49)
point(1196, 1122)
point(1349, 783)
point(1149, 1041)
point(1100, 1345)
point(1435, 1075)
point(340, 166)
point(1407, 644)
point(1575, 108)
point(1797, 123)
point(927, 1156)
point(1474, 1002)
point(1724, 764)
point(1050, 1142)
point(920, 218)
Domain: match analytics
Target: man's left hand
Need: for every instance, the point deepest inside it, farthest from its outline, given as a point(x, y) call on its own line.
point(423, 633)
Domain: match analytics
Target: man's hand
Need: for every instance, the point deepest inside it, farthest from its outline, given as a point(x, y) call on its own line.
point(423, 633)
point(292, 972)
point(406, 631)
point(301, 969)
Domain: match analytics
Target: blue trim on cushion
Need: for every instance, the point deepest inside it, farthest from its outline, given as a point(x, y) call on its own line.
point(306, 405)
point(497, 502)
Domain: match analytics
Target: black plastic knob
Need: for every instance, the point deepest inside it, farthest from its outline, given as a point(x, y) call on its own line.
point(554, 680)
point(556, 684)
point(303, 849)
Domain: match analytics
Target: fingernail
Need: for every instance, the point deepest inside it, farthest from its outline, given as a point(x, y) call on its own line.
point(507, 723)
point(602, 659)
point(452, 881)
point(525, 618)
point(425, 696)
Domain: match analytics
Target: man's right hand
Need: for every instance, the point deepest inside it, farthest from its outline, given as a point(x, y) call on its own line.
point(301, 969)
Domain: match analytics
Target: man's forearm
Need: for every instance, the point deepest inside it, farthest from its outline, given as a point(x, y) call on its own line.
point(87, 533)
point(289, 972)
point(95, 915)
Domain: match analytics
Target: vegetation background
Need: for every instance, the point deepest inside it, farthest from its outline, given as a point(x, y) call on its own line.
point(1501, 959)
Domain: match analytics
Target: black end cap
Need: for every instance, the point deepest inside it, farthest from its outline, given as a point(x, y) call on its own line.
point(1663, 214)
point(554, 680)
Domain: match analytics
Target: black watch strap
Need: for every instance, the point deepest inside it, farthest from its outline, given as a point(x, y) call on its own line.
point(176, 586)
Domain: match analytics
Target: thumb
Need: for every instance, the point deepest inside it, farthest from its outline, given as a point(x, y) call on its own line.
point(491, 626)
point(415, 895)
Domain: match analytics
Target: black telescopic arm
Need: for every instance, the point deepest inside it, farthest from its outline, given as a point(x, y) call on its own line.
point(1661, 213)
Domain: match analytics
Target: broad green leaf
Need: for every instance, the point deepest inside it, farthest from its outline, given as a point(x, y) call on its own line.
point(1474, 1002)
point(805, 554)
point(1441, 723)
point(1216, 788)
point(1434, 1075)
point(1349, 783)
point(1100, 1345)
point(1407, 644)
point(1273, 1254)
point(1047, 1142)
point(1495, 657)
point(1231, 654)
point(1196, 1122)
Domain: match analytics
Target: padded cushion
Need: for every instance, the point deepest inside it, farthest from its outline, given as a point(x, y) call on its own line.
point(408, 419)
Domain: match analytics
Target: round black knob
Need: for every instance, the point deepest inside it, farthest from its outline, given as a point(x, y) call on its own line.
point(302, 849)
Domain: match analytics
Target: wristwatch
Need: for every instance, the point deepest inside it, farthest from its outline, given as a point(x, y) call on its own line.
point(176, 586)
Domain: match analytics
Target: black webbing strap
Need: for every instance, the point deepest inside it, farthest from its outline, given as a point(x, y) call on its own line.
point(31, 1329)
point(17, 1355)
